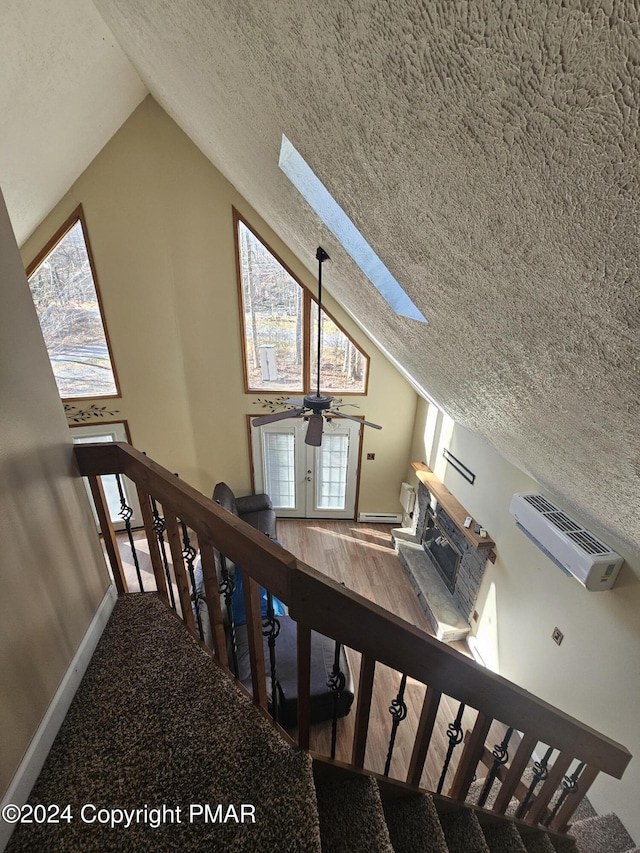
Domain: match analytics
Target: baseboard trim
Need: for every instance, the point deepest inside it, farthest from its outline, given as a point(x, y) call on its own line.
point(31, 765)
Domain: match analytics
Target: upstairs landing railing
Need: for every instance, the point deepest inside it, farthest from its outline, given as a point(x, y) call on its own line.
point(562, 755)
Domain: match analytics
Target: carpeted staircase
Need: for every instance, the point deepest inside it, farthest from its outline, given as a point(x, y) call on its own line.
point(157, 723)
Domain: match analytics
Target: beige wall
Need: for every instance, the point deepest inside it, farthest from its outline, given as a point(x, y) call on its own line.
point(51, 568)
point(159, 217)
point(595, 674)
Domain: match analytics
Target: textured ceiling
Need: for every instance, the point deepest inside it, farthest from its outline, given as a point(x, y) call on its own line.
point(488, 151)
point(65, 88)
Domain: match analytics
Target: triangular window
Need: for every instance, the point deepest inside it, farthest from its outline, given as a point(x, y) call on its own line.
point(65, 293)
point(343, 367)
point(280, 325)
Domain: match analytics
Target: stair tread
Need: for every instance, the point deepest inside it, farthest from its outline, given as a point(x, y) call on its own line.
point(155, 721)
point(414, 825)
point(584, 809)
point(603, 832)
point(463, 833)
point(537, 842)
point(503, 838)
point(351, 816)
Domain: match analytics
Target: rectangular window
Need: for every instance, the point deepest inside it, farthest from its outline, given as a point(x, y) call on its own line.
point(117, 431)
point(65, 293)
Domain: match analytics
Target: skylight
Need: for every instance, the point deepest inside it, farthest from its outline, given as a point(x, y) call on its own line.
point(316, 194)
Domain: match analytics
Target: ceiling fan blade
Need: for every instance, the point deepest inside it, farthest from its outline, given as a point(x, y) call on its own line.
point(295, 402)
point(357, 420)
point(314, 431)
point(276, 416)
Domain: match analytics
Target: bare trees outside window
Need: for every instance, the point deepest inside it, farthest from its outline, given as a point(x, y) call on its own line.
point(64, 291)
point(280, 326)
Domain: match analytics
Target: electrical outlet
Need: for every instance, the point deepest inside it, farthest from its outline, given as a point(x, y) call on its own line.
point(371, 455)
point(557, 636)
point(475, 616)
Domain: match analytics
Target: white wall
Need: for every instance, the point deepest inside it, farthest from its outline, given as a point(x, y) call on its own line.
point(595, 674)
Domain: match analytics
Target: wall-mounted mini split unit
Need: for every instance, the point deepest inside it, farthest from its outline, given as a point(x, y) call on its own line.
point(572, 548)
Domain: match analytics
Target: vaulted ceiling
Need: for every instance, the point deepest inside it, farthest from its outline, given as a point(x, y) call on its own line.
point(488, 152)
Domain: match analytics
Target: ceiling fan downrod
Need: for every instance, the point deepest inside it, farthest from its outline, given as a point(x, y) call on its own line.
point(314, 407)
point(321, 257)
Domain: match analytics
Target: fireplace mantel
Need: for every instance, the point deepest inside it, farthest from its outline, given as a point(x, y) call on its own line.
point(454, 509)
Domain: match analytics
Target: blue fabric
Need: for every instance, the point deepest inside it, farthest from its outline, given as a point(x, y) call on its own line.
point(237, 599)
point(237, 602)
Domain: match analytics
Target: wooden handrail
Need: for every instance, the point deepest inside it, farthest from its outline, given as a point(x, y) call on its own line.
point(319, 603)
point(266, 562)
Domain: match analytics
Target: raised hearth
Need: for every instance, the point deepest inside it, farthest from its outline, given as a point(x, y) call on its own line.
point(445, 617)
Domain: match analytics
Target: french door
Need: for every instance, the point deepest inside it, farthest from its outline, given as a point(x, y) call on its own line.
point(304, 481)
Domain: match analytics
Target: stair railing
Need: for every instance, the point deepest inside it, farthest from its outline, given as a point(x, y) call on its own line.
point(575, 753)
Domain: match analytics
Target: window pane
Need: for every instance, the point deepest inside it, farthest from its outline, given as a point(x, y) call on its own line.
point(332, 471)
point(280, 469)
point(273, 310)
point(342, 366)
point(65, 297)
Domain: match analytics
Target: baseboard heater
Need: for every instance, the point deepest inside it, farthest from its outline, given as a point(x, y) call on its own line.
point(380, 517)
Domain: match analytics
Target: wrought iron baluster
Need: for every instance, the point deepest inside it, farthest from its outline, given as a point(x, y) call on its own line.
point(189, 554)
point(569, 786)
point(335, 683)
point(500, 757)
point(398, 711)
point(540, 773)
point(159, 528)
point(125, 514)
point(270, 630)
point(226, 587)
point(455, 735)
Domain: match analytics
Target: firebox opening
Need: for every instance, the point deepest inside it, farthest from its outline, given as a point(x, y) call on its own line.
point(444, 554)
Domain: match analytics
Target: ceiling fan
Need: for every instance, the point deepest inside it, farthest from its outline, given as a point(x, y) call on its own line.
point(314, 407)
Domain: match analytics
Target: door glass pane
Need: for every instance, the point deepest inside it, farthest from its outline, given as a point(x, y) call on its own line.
point(332, 471)
point(279, 466)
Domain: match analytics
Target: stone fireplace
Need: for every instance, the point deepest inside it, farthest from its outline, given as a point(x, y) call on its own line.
point(444, 562)
point(446, 556)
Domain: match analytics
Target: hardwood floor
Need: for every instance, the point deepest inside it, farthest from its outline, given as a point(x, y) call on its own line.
point(362, 557)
